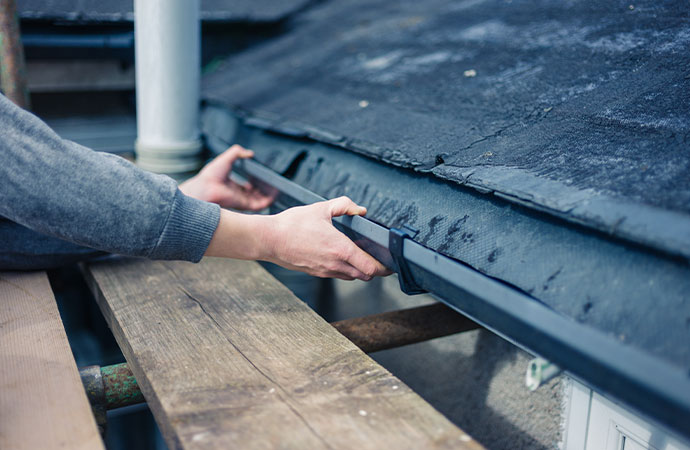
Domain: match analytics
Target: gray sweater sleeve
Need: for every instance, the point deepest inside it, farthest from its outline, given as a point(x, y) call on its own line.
point(101, 201)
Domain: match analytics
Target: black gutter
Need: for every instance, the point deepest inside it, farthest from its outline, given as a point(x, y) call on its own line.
point(656, 389)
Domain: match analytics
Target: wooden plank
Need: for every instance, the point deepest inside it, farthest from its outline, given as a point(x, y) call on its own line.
point(227, 356)
point(42, 401)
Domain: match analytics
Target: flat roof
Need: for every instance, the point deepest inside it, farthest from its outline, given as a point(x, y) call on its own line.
point(581, 109)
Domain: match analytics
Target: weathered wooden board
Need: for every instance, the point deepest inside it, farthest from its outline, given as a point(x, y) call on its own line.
point(227, 356)
point(43, 404)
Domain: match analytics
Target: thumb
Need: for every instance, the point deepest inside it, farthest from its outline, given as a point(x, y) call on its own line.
point(221, 165)
point(344, 206)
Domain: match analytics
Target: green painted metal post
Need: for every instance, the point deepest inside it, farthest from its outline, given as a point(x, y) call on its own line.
point(121, 388)
point(108, 388)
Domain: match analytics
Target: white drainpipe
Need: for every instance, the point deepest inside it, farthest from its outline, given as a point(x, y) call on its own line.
point(167, 51)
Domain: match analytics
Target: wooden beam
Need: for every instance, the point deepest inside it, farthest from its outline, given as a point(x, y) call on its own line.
point(394, 329)
point(226, 356)
point(42, 401)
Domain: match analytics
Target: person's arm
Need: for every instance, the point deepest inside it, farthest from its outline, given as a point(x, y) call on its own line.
point(101, 201)
point(302, 238)
point(58, 188)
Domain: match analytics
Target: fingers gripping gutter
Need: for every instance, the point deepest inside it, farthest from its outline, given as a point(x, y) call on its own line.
point(220, 166)
point(342, 206)
point(356, 262)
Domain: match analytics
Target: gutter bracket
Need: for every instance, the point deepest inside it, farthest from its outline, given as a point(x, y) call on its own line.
point(396, 242)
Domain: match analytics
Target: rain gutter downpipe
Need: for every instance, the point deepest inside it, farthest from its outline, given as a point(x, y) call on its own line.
point(168, 72)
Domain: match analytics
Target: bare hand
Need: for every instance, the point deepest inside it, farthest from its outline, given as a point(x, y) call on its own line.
point(212, 184)
point(304, 239)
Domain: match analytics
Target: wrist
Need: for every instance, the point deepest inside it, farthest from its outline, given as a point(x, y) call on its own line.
point(265, 232)
point(191, 188)
point(243, 236)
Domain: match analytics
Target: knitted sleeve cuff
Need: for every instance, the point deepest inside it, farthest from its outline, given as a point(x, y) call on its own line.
point(188, 229)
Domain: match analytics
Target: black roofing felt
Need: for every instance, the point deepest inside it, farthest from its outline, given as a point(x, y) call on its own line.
point(581, 109)
point(122, 10)
point(637, 297)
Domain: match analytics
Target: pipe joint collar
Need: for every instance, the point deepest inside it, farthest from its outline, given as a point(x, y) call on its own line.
point(172, 157)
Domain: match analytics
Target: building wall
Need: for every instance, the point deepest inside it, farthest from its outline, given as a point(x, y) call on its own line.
point(594, 422)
